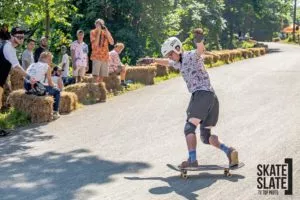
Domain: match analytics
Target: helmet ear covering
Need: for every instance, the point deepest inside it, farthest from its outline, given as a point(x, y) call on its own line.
point(171, 44)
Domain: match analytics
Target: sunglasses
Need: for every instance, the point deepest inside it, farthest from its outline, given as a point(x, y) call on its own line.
point(169, 54)
point(19, 37)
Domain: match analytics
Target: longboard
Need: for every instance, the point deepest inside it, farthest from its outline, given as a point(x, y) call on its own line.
point(226, 168)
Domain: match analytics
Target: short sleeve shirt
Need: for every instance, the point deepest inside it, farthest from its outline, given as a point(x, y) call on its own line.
point(38, 71)
point(114, 61)
point(100, 50)
point(193, 72)
point(81, 51)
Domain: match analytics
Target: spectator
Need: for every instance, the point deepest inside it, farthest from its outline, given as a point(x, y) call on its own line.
point(4, 34)
point(41, 72)
point(43, 47)
point(8, 60)
point(115, 64)
point(56, 76)
point(27, 56)
point(100, 38)
point(65, 64)
point(79, 54)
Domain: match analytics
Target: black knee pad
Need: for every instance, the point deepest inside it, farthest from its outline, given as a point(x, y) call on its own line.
point(205, 134)
point(189, 128)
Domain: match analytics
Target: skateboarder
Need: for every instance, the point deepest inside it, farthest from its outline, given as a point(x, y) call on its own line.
point(203, 108)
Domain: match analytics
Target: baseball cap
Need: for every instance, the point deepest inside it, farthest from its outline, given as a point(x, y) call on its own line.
point(17, 30)
point(79, 31)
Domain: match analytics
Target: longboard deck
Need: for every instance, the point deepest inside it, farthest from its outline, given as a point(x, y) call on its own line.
point(206, 167)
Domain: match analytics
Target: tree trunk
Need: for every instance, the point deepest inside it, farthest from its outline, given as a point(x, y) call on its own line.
point(47, 19)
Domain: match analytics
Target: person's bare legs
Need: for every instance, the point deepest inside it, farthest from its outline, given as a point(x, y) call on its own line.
point(123, 74)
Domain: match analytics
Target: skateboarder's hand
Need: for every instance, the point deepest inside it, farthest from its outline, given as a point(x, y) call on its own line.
point(198, 35)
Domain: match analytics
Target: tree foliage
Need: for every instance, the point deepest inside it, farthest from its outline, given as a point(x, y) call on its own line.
point(144, 24)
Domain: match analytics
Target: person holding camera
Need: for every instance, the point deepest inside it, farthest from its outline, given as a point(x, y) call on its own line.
point(203, 108)
point(8, 60)
point(100, 39)
point(41, 72)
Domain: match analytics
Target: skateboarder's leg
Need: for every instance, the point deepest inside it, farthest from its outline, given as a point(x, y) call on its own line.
point(191, 140)
point(231, 153)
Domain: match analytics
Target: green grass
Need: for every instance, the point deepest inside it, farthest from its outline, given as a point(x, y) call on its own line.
point(159, 79)
point(13, 118)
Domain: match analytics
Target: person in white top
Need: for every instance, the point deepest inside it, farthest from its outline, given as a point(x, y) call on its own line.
point(115, 64)
point(79, 53)
point(8, 60)
point(65, 64)
point(41, 71)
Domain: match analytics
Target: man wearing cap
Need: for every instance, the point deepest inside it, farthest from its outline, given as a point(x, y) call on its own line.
point(100, 38)
point(8, 60)
point(27, 56)
point(43, 47)
point(79, 54)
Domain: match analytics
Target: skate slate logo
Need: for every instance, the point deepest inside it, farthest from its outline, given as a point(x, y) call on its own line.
point(275, 177)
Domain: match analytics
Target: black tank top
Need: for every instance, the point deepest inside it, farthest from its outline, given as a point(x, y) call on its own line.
point(5, 66)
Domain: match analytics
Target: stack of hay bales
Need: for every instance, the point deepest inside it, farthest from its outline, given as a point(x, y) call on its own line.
point(68, 102)
point(142, 74)
point(161, 70)
point(16, 80)
point(38, 108)
point(87, 92)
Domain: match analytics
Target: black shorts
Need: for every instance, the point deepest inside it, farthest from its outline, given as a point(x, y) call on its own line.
point(204, 105)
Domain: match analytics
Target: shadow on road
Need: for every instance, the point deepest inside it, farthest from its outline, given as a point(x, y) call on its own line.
point(53, 175)
point(274, 50)
point(16, 143)
point(186, 188)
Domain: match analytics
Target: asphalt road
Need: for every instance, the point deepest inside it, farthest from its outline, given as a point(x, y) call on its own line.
point(119, 149)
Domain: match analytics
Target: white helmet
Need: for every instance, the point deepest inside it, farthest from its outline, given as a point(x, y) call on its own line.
point(171, 44)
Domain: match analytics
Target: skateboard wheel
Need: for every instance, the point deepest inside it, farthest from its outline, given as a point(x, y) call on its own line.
point(184, 174)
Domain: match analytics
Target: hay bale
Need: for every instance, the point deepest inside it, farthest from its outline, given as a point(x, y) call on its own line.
point(208, 60)
point(244, 53)
point(112, 83)
point(6, 92)
point(16, 80)
point(225, 56)
point(161, 70)
point(216, 56)
point(68, 102)
point(38, 108)
point(142, 74)
point(88, 79)
point(255, 51)
point(88, 92)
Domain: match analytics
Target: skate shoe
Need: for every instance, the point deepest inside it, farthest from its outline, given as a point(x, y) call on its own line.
point(233, 157)
point(187, 164)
